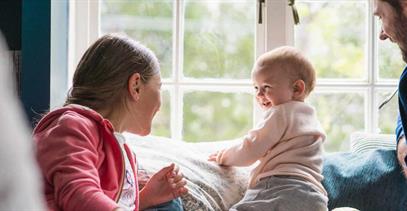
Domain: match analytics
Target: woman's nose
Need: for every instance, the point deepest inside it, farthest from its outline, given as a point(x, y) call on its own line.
point(383, 35)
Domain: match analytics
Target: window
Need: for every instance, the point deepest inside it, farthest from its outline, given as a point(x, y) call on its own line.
point(207, 49)
point(202, 49)
point(340, 38)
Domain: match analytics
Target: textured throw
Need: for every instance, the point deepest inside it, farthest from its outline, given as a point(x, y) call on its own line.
point(210, 187)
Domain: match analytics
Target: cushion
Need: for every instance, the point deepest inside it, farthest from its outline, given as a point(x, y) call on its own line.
point(363, 142)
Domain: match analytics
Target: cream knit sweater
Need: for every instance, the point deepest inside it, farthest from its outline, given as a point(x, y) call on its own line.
point(287, 142)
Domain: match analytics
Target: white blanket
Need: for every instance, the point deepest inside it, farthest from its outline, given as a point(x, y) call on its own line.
point(211, 187)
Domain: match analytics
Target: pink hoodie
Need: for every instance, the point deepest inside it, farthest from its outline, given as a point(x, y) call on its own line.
point(80, 159)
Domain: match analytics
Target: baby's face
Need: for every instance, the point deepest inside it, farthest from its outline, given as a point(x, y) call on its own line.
point(272, 87)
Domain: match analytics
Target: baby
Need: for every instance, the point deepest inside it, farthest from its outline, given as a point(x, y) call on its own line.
point(287, 142)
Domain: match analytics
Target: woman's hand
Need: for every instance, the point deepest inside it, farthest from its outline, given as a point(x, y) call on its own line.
point(165, 185)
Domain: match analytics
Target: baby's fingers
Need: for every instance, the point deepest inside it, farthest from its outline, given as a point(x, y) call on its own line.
point(181, 183)
point(177, 177)
point(176, 169)
point(173, 173)
point(215, 156)
point(211, 159)
point(180, 191)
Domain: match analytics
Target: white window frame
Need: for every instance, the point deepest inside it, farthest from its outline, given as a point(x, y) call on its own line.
point(84, 21)
point(371, 84)
point(277, 30)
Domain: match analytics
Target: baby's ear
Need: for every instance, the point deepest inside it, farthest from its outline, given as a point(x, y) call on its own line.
point(299, 90)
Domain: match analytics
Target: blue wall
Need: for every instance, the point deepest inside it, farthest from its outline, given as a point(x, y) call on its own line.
point(35, 51)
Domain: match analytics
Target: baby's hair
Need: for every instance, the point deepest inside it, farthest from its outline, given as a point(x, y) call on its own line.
point(293, 62)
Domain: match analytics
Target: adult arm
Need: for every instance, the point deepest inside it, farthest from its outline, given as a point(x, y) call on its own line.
point(402, 121)
point(401, 146)
point(399, 129)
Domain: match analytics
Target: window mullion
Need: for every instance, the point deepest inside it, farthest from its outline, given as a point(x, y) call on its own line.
point(177, 98)
point(372, 112)
point(260, 45)
point(94, 21)
point(289, 24)
point(78, 34)
point(370, 116)
point(260, 41)
point(84, 29)
point(276, 30)
point(371, 46)
point(278, 26)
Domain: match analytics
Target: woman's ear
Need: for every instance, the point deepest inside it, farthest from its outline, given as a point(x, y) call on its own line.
point(299, 90)
point(134, 85)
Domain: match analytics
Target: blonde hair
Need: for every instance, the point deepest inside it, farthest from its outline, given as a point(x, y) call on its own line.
point(292, 62)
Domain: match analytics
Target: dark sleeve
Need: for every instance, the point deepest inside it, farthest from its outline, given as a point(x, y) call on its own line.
point(399, 129)
point(402, 118)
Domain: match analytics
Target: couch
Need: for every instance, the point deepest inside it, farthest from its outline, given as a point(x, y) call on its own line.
point(367, 178)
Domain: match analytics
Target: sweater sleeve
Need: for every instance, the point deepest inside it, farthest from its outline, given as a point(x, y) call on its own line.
point(402, 118)
point(68, 156)
point(399, 129)
point(257, 142)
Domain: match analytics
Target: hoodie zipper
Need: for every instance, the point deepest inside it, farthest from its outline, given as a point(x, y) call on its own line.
point(122, 177)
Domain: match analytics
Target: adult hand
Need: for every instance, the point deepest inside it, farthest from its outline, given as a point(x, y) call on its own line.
point(401, 154)
point(165, 185)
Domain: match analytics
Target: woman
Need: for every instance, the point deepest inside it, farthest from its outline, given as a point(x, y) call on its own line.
point(82, 154)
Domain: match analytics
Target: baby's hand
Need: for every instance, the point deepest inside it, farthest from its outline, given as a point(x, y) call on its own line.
point(213, 156)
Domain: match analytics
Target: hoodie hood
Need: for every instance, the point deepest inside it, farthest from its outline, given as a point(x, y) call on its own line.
point(46, 121)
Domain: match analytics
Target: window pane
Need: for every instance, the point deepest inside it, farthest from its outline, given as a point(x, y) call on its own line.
point(149, 22)
point(333, 35)
point(340, 115)
point(161, 122)
point(391, 62)
point(219, 38)
point(388, 114)
point(212, 116)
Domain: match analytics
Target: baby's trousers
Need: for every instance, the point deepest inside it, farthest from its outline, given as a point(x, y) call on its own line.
point(282, 193)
